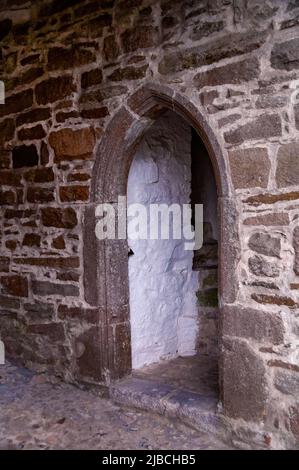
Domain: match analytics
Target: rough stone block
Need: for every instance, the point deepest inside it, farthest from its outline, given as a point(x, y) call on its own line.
point(250, 168)
point(285, 55)
point(32, 133)
point(60, 218)
point(54, 89)
point(40, 195)
point(45, 288)
point(69, 144)
point(249, 323)
point(235, 73)
point(260, 267)
point(74, 193)
point(24, 156)
point(287, 172)
point(296, 248)
point(245, 390)
point(263, 127)
point(265, 244)
point(15, 285)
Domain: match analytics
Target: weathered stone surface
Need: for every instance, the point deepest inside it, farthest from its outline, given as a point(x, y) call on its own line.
point(45, 288)
point(229, 119)
point(294, 421)
point(272, 198)
point(5, 27)
point(15, 285)
point(11, 244)
point(230, 252)
point(37, 114)
point(287, 172)
point(59, 243)
point(32, 133)
point(287, 382)
point(52, 262)
point(78, 177)
point(245, 391)
point(74, 193)
point(111, 48)
point(263, 127)
point(60, 58)
point(249, 168)
point(231, 45)
point(296, 112)
point(54, 89)
point(265, 244)
point(93, 77)
point(62, 116)
point(37, 311)
point(10, 178)
point(39, 175)
point(9, 302)
point(17, 103)
point(285, 55)
point(236, 73)
point(283, 365)
point(88, 345)
point(41, 195)
point(68, 276)
point(18, 214)
point(54, 331)
point(4, 159)
point(139, 38)
point(260, 267)
point(31, 59)
point(4, 264)
point(24, 156)
point(7, 197)
point(30, 75)
point(89, 315)
point(274, 300)
point(266, 101)
point(69, 144)
point(128, 73)
point(206, 28)
point(246, 322)
point(274, 219)
point(296, 249)
point(7, 130)
point(31, 239)
point(95, 113)
point(60, 218)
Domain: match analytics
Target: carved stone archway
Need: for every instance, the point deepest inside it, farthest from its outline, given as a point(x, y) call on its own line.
point(106, 262)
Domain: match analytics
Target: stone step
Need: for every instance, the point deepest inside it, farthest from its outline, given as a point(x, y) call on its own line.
point(191, 408)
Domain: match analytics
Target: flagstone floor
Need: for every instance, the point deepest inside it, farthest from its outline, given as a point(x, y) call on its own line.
point(38, 411)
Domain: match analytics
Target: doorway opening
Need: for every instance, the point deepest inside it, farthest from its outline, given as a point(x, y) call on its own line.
point(173, 292)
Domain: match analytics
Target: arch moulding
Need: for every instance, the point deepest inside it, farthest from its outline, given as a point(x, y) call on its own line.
point(106, 282)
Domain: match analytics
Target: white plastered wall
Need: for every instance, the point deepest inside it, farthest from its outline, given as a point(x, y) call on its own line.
point(163, 307)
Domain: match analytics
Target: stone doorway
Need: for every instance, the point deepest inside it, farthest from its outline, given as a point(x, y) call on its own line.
point(173, 299)
point(106, 263)
point(173, 292)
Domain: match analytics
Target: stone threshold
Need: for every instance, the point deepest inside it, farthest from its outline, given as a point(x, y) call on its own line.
point(194, 409)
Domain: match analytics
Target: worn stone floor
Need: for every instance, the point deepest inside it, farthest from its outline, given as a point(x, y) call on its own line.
point(197, 374)
point(38, 411)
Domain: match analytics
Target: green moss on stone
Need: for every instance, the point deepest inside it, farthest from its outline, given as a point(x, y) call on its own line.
point(208, 298)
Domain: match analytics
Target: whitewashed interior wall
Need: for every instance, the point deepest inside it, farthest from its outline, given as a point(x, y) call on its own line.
point(163, 308)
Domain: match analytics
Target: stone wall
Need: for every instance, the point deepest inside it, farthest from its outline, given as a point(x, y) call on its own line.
point(68, 66)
